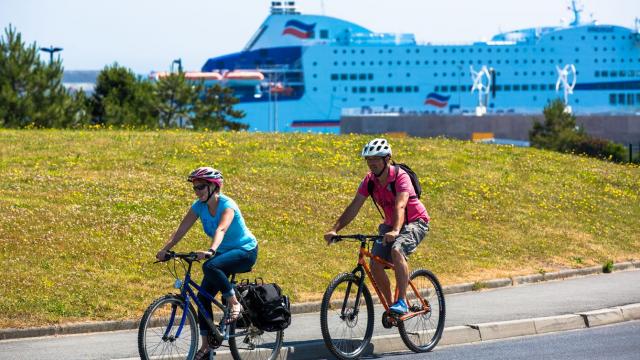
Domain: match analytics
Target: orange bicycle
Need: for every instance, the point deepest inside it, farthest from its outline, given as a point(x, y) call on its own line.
point(347, 314)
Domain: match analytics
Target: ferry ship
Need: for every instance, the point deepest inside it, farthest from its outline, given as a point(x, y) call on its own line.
point(301, 72)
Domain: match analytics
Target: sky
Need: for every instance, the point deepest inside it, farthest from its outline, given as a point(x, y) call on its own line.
point(147, 35)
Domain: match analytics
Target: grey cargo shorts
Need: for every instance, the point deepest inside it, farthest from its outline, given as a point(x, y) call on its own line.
point(410, 237)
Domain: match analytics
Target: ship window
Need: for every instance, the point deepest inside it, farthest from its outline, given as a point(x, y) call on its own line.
point(408, 75)
point(461, 62)
point(363, 89)
point(390, 75)
point(353, 63)
point(437, 88)
point(444, 50)
point(315, 76)
point(380, 63)
point(426, 62)
point(324, 34)
point(399, 62)
point(390, 51)
point(408, 51)
point(516, 73)
point(630, 99)
point(445, 88)
point(582, 37)
point(408, 62)
point(604, 37)
point(543, 61)
point(343, 76)
point(470, 50)
point(488, 50)
point(517, 61)
point(516, 87)
point(454, 88)
point(479, 50)
point(435, 74)
point(335, 63)
point(380, 51)
point(516, 50)
point(543, 87)
point(334, 89)
point(335, 51)
point(361, 51)
point(595, 61)
point(604, 60)
point(380, 89)
point(372, 89)
point(417, 62)
point(353, 51)
point(444, 62)
point(444, 74)
point(315, 89)
point(435, 51)
point(344, 63)
point(362, 77)
point(417, 89)
point(498, 62)
point(507, 88)
point(344, 51)
point(369, 76)
point(497, 87)
point(407, 88)
point(623, 73)
point(525, 87)
point(417, 51)
point(621, 99)
point(353, 76)
point(597, 74)
point(613, 74)
point(462, 50)
point(389, 89)
point(354, 89)
point(638, 98)
point(362, 63)
point(390, 62)
point(490, 61)
point(435, 62)
point(398, 89)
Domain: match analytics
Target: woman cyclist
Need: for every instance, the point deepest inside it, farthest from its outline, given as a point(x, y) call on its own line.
point(233, 247)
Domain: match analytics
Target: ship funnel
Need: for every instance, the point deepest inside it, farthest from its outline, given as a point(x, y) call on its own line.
point(283, 8)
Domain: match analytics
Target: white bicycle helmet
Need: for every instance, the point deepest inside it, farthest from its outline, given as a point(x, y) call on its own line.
point(376, 147)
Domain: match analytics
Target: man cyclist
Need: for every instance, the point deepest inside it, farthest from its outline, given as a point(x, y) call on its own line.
point(405, 225)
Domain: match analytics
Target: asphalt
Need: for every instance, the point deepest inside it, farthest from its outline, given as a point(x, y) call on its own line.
point(519, 306)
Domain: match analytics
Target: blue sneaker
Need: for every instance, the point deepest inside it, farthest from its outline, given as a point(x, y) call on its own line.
point(400, 307)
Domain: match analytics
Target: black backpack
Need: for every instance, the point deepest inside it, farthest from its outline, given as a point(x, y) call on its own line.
point(414, 181)
point(269, 309)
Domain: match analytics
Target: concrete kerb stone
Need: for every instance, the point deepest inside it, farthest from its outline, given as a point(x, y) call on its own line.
point(497, 283)
point(459, 288)
point(527, 279)
point(602, 317)
point(623, 266)
point(630, 312)
point(505, 329)
point(459, 335)
point(559, 323)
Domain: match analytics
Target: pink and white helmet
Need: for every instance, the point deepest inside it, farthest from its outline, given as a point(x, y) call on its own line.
point(208, 174)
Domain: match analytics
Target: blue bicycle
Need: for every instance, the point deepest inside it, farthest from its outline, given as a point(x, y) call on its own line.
point(169, 326)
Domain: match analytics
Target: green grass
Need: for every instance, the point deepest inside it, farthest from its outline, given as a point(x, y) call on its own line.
point(84, 212)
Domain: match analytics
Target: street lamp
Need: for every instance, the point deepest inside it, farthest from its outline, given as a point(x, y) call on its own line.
point(179, 62)
point(51, 50)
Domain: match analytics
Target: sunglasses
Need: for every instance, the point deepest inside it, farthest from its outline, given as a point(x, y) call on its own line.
point(200, 187)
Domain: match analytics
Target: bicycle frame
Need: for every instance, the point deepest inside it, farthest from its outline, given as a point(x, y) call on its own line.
point(187, 293)
point(363, 268)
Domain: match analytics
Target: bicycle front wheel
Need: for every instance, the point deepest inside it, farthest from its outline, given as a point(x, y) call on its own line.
point(346, 328)
point(422, 332)
point(158, 336)
point(251, 343)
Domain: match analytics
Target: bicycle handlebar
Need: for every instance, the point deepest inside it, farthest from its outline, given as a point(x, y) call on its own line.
point(357, 237)
point(190, 256)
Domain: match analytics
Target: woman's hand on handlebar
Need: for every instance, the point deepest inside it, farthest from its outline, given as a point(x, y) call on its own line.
point(328, 237)
point(162, 255)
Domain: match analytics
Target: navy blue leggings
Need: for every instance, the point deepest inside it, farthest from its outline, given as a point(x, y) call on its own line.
point(216, 276)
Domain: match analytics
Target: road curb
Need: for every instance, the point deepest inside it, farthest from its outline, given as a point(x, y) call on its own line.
point(309, 307)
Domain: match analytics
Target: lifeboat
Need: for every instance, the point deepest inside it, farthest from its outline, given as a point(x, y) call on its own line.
point(243, 78)
point(206, 76)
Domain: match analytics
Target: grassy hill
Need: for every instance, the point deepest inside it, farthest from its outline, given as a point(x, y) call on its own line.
point(84, 212)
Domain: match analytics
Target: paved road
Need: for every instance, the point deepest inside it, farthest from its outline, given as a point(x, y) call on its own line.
point(613, 342)
point(511, 303)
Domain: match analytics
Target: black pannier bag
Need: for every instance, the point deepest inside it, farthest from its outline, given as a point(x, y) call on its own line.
point(269, 309)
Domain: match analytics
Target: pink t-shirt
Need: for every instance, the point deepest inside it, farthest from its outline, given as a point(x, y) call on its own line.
point(387, 201)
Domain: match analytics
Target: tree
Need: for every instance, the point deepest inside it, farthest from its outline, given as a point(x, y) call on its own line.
point(214, 109)
point(31, 91)
point(560, 133)
point(176, 98)
point(120, 99)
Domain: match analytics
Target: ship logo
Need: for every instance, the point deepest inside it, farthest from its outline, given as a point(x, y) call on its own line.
point(298, 29)
point(437, 100)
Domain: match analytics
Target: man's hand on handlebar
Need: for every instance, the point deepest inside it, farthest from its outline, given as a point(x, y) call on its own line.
point(328, 237)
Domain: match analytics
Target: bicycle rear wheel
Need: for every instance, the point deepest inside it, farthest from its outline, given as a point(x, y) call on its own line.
point(346, 329)
point(422, 332)
point(157, 332)
point(251, 343)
